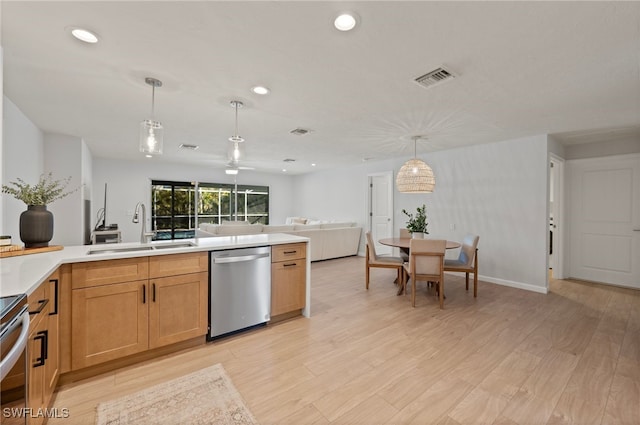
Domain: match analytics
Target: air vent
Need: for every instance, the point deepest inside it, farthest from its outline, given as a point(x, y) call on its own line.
point(434, 77)
point(300, 131)
point(188, 146)
point(289, 160)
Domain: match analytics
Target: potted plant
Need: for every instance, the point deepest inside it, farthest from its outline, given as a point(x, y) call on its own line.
point(417, 225)
point(36, 224)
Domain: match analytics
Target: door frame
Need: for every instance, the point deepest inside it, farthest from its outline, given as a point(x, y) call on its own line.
point(368, 209)
point(559, 221)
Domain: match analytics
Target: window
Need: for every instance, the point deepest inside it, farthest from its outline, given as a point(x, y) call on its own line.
point(173, 207)
point(216, 203)
point(178, 207)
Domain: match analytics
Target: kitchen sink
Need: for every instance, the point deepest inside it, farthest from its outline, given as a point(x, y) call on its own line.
point(140, 248)
point(174, 245)
point(119, 250)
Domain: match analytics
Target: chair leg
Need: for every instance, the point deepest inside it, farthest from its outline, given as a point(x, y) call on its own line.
point(467, 280)
point(441, 285)
point(475, 284)
point(413, 292)
point(366, 274)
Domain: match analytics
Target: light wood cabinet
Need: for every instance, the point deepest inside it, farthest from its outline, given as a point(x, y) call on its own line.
point(43, 346)
point(109, 322)
point(288, 278)
point(114, 316)
point(178, 308)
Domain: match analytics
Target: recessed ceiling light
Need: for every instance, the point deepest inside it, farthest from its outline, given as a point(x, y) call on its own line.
point(149, 156)
point(345, 22)
point(84, 35)
point(313, 165)
point(284, 170)
point(260, 90)
point(231, 171)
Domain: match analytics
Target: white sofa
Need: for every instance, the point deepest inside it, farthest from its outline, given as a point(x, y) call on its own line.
point(327, 240)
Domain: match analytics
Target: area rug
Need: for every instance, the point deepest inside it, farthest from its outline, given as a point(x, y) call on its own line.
point(203, 397)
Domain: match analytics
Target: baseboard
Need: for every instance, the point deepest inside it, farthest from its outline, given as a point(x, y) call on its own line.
point(513, 284)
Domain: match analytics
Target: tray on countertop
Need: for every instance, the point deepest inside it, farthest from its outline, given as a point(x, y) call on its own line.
point(15, 250)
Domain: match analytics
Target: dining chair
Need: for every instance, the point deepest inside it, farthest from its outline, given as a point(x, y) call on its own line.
point(467, 261)
point(374, 260)
point(405, 234)
point(426, 262)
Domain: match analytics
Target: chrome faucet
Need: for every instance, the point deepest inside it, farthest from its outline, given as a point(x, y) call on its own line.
point(145, 237)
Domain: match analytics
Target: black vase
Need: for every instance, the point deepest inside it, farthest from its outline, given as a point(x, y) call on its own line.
point(36, 226)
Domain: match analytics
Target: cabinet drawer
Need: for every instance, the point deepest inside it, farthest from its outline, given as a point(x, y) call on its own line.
point(288, 252)
point(84, 275)
point(176, 264)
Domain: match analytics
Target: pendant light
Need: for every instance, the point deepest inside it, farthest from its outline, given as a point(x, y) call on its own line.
point(234, 153)
point(151, 131)
point(415, 176)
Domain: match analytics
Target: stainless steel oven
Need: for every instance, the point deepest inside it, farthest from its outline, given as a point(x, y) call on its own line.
point(14, 330)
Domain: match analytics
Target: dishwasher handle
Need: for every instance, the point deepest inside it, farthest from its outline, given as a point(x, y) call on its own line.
point(239, 258)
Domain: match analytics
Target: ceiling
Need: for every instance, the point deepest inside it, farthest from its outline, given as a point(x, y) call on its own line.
point(570, 69)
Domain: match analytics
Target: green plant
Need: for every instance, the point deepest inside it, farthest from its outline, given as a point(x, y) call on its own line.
point(419, 222)
point(44, 192)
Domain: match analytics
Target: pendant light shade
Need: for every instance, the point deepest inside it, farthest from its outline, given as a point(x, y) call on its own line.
point(151, 131)
point(415, 176)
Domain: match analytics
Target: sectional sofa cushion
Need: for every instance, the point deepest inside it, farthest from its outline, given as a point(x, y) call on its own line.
point(278, 229)
point(247, 229)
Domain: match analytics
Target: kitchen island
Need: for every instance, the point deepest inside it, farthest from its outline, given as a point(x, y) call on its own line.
point(102, 307)
point(24, 274)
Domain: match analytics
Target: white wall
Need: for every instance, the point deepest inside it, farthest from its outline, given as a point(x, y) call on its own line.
point(129, 182)
point(64, 158)
point(498, 191)
point(23, 157)
point(604, 148)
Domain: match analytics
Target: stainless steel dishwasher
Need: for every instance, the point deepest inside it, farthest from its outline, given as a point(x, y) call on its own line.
point(240, 289)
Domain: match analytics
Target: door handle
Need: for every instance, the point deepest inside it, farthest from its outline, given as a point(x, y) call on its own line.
point(56, 288)
point(144, 294)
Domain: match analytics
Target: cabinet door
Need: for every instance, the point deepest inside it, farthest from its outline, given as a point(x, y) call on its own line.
point(178, 308)
point(288, 283)
point(109, 322)
point(37, 352)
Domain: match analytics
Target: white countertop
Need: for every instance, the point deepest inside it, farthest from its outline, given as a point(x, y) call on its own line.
point(22, 274)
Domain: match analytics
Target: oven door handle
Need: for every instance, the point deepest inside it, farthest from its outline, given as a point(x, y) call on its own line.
point(16, 351)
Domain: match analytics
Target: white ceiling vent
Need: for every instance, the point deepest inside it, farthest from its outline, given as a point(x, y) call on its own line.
point(434, 77)
point(289, 160)
point(188, 147)
point(300, 131)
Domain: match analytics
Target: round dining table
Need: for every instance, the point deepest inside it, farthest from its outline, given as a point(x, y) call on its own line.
point(405, 242)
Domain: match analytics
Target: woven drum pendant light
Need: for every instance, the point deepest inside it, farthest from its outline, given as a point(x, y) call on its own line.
point(415, 176)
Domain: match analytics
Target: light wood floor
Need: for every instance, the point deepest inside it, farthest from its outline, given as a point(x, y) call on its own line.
point(367, 357)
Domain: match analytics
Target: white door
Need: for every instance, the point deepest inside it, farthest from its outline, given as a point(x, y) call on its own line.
point(604, 202)
point(381, 209)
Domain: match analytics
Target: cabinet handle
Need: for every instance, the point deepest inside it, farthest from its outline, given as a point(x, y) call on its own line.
point(154, 292)
point(43, 304)
point(42, 336)
point(56, 289)
point(290, 265)
point(290, 252)
point(144, 294)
